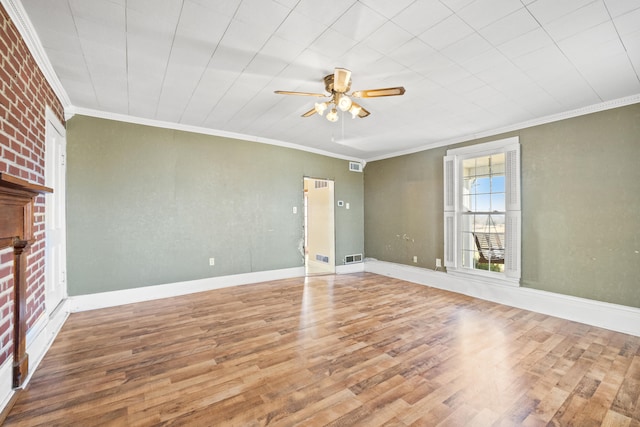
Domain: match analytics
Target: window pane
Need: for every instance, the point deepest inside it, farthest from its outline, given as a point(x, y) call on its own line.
point(498, 202)
point(497, 184)
point(482, 203)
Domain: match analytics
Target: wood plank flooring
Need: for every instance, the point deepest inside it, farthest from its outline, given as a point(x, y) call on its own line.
point(345, 350)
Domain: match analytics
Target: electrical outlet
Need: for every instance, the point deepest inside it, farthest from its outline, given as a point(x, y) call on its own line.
point(438, 262)
point(415, 258)
point(212, 261)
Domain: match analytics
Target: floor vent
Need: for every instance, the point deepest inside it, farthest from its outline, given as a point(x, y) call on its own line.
point(350, 259)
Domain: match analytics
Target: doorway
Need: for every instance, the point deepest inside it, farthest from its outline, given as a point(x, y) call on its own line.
point(319, 227)
point(55, 217)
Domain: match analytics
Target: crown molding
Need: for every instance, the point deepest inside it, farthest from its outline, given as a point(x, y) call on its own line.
point(582, 111)
point(21, 20)
point(200, 130)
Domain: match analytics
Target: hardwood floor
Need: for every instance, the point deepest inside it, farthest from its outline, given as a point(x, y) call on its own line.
point(344, 350)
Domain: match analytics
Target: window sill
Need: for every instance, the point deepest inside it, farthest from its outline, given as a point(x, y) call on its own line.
point(484, 277)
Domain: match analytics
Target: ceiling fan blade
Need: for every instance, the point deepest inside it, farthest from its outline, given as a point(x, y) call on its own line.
point(375, 93)
point(341, 80)
point(362, 112)
point(309, 113)
point(287, 92)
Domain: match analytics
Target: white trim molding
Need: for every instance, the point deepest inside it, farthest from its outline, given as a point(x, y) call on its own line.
point(39, 338)
point(357, 267)
point(149, 293)
point(614, 317)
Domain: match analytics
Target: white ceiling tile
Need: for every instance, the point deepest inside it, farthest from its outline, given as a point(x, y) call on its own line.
point(332, 43)
point(245, 37)
point(628, 22)
point(229, 58)
point(570, 89)
point(265, 66)
point(101, 13)
point(388, 37)
point(202, 25)
point(325, 11)
point(546, 11)
point(360, 57)
point(547, 57)
point(387, 8)
point(446, 32)
point(281, 50)
point(421, 15)
point(620, 7)
point(526, 43)
point(448, 75)
point(595, 44)
point(481, 13)
point(467, 85)
point(288, 3)
point(577, 21)
point(456, 5)
point(468, 48)
point(264, 14)
point(599, 77)
point(504, 72)
point(358, 22)
point(489, 59)
point(411, 52)
point(431, 63)
point(509, 27)
point(632, 45)
point(300, 29)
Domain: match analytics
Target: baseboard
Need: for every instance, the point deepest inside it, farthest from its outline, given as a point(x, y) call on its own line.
point(39, 338)
point(148, 293)
point(357, 267)
point(614, 317)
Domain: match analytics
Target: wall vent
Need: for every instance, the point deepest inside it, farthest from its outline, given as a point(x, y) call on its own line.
point(322, 258)
point(321, 184)
point(350, 259)
point(355, 167)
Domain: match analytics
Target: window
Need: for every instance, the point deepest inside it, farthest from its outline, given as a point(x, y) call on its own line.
point(482, 210)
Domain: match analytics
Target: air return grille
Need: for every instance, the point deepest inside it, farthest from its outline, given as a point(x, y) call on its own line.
point(350, 259)
point(355, 167)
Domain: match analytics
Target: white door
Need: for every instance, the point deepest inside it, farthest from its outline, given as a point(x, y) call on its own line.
point(55, 222)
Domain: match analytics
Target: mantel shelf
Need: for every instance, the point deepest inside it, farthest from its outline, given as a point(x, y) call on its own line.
point(12, 182)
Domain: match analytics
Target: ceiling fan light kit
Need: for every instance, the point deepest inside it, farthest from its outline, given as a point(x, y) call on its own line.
point(337, 86)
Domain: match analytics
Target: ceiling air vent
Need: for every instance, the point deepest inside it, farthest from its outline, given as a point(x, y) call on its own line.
point(350, 259)
point(355, 167)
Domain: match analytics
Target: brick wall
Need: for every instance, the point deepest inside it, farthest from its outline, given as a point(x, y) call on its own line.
point(24, 95)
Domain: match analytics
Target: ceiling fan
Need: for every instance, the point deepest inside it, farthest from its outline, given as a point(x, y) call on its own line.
point(337, 86)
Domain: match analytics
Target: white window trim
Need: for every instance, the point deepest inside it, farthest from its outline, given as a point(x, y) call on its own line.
point(452, 214)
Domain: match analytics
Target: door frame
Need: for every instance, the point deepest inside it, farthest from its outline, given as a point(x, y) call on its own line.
point(53, 211)
point(313, 267)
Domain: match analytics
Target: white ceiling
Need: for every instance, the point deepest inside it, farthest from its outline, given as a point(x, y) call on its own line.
point(469, 66)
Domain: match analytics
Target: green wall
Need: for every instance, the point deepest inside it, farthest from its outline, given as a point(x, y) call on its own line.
point(580, 206)
point(148, 206)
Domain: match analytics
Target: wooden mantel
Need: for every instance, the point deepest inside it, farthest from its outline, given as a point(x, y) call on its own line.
point(16, 230)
